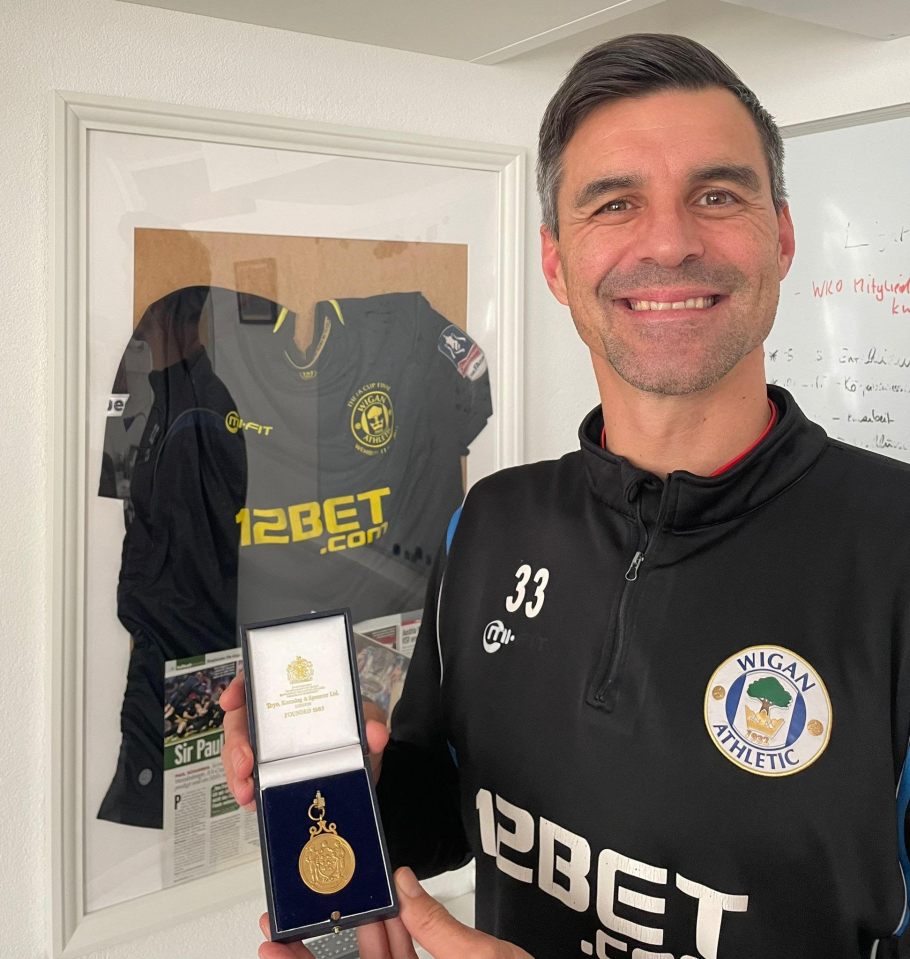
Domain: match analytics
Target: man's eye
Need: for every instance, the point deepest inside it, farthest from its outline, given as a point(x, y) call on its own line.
point(716, 198)
point(614, 206)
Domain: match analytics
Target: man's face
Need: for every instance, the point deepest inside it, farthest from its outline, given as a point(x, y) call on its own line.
point(670, 252)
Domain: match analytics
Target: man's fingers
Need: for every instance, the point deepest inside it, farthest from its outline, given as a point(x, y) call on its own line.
point(428, 921)
point(234, 696)
point(377, 740)
point(443, 936)
point(237, 757)
point(373, 710)
point(378, 940)
point(373, 942)
point(400, 944)
point(236, 754)
point(377, 734)
point(279, 950)
point(385, 940)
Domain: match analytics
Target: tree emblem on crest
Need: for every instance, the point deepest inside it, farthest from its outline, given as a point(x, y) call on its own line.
point(769, 692)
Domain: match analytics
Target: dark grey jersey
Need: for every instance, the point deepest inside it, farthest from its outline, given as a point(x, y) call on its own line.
point(293, 481)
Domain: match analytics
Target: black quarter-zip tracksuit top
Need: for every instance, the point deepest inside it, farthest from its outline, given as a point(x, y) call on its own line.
point(669, 719)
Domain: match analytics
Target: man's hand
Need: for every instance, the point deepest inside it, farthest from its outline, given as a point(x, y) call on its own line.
point(443, 936)
point(378, 940)
point(422, 917)
point(237, 756)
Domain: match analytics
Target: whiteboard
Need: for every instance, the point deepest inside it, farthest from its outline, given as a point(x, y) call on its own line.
point(841, 341)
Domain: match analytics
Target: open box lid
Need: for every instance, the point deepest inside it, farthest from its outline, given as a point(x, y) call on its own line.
point(308, 736)
point(302, 688)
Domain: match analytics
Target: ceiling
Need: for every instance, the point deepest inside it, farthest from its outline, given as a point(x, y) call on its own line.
point(492, 31)
point(880, 19)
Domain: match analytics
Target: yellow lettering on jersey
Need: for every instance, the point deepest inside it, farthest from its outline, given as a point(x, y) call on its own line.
point(374, 498)
point(335, 516)
point(305, 521)
point(349, 524)
point(243, 520)
point(268, 526)
point(361, 537)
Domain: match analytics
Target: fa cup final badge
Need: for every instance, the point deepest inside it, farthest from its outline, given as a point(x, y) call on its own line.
point(326, 862)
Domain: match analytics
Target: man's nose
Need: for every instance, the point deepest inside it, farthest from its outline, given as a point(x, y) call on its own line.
point(668, 235)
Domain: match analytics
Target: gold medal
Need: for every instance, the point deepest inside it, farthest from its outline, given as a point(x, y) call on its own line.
point(326, 862)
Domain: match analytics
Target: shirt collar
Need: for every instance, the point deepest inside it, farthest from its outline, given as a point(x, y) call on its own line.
point(778, 460)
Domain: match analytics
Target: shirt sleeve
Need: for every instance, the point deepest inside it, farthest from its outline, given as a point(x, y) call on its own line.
point(418, 789)
point(900, 732)
point(462, 368)
point(178, 576)
point(203, 469)
point(126, 415)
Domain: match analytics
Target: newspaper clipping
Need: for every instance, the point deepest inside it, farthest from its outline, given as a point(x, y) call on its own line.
point(384, 647)
point(205, 830)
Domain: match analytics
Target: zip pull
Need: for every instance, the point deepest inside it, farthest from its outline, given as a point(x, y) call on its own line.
point(632, 571)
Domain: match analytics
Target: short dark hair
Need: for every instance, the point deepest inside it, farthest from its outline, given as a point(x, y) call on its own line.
point(634, 66)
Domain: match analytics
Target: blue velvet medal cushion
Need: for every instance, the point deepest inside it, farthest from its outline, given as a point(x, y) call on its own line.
point(287, 827)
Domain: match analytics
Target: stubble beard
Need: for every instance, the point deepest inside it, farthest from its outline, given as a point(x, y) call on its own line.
point(679, 358)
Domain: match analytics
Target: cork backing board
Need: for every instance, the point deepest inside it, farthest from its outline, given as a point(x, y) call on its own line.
point(299, 271)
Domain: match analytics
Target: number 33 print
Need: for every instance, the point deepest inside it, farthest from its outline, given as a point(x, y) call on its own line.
point(525, 575)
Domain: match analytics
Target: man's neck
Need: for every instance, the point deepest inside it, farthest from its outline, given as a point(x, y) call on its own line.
point(697, 432)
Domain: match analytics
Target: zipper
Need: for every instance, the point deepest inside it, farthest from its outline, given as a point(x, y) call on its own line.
point(632, 571)
point(605, 694)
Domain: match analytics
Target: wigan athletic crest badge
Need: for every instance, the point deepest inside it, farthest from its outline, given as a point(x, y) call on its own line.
point(768, 711)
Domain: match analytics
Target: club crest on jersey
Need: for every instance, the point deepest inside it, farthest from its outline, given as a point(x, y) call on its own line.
point(467, 357)
point(768, 711)
point(372, 418)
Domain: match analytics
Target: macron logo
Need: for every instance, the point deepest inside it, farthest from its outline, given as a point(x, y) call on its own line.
point(495, 636)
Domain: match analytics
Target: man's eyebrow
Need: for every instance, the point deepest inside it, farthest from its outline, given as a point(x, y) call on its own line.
point(606, 184)
point(744, 176)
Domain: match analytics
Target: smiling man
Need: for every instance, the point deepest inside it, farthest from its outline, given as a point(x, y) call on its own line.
point(690, 745)
point(664, 236)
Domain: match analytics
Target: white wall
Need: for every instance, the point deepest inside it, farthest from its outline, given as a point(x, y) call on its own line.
point(101, 46)
point(799, 71)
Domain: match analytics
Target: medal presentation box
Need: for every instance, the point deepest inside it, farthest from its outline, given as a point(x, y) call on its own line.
point(323, 851)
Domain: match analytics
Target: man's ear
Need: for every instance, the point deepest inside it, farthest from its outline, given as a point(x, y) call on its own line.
point(787, 241)
point(552, 265)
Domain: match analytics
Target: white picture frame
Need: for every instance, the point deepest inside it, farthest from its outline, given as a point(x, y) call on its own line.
point(83, 127)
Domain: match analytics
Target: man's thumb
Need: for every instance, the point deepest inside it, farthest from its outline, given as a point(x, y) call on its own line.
point(429, 923)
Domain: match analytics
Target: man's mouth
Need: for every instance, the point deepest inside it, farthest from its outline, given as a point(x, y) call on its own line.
point(692, 303)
